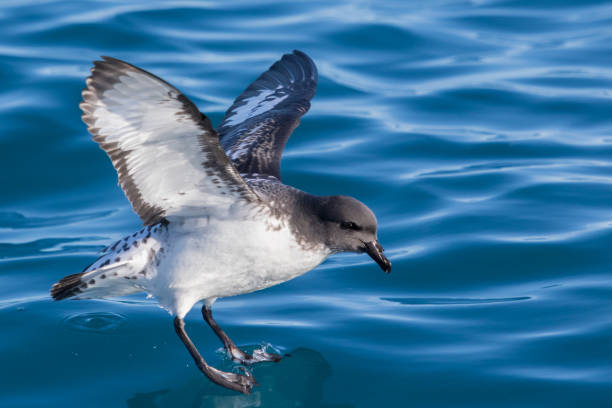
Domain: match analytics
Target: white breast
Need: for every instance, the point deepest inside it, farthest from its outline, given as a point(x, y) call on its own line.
point(209, 259)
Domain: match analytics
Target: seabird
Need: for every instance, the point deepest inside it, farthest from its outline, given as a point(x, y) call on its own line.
point(217, 219)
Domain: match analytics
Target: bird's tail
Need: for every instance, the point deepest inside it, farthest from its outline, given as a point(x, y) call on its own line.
point(122, 268)
point(95, 283)
point(67, 286)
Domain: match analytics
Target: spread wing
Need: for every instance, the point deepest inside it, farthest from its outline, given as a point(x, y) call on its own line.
point(257, 126)
point(166, 153)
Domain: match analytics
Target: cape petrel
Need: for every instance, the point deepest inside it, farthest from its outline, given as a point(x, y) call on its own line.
point(217, 219)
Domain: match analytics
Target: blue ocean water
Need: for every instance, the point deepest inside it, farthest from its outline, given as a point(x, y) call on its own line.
point(480, 132)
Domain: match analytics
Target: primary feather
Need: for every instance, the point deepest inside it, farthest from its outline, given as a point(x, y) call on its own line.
point(166, 153)
point(257, 126)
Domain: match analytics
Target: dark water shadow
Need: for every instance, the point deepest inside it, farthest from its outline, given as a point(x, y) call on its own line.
point(297, 381)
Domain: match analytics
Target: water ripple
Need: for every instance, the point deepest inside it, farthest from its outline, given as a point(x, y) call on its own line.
point(95, 322)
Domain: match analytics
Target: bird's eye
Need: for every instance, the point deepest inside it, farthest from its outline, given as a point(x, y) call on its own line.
point(349, 225)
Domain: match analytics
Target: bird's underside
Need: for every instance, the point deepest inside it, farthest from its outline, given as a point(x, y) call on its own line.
point(217, 220)
point(144, 261)
point(174, 168)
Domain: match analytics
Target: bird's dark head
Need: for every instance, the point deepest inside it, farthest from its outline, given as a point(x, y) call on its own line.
point(351, 226)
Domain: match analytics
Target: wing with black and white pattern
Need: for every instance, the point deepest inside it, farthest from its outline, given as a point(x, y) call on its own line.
point(166, 153)
point(257, 126)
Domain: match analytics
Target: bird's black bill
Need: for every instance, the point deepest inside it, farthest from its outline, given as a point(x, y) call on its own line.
point(375, 250)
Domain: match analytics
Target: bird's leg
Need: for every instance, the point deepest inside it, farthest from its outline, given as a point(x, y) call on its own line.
point(237, 354)
point(236, 382)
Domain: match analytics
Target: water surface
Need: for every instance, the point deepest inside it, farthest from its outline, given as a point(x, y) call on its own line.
point(480, 132)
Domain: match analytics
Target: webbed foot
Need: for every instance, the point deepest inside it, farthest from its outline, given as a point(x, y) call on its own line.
point(238, 382)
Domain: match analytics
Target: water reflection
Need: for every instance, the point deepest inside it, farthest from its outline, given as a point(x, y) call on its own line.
point(297, 381)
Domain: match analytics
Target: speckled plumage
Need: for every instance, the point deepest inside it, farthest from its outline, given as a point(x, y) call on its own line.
point(218, 220)
point(130, 113)
point(121, 268)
